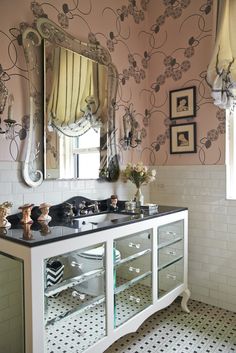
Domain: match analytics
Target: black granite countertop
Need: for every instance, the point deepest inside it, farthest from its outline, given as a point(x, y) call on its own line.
point(35, 234)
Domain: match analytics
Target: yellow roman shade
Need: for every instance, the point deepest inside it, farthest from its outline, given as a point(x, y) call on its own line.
point(78, 96)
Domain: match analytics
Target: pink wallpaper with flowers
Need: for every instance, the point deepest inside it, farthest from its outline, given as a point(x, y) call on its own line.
point(178, 46)
point(157, 46)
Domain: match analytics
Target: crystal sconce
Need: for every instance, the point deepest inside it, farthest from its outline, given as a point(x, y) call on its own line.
point(132, 136)
point(3, 95)
point(9, 122)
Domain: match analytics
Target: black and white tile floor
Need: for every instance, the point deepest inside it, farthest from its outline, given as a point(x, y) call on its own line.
point(207, 329)
point(80, 331)
point(76, 333)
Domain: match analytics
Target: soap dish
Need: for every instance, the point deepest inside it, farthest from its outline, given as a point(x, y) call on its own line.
point(150, 208)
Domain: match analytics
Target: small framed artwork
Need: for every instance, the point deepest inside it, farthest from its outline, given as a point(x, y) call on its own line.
point(183, 103)
point(183, 138)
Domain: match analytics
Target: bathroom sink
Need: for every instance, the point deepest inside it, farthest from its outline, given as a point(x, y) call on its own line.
point(96, 219)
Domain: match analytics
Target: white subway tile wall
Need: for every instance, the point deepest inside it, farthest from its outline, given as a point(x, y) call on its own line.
point(212, 228)
point(54, 191)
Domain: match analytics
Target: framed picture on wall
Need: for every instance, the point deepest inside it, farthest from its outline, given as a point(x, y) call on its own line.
point(183, 138)
point(183, 103)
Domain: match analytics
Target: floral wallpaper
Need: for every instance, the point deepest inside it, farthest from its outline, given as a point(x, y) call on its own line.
point(156, 45)
point(179, 42)
point(13, 75)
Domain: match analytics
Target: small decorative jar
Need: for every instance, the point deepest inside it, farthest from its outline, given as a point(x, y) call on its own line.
point(44, 209)
point(130, 206)
point(4, 212)
point(26, 213)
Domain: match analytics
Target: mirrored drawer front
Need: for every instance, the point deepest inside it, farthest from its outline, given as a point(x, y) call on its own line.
point(81, 261)
point(170, 233)
point(131, 300)
point(132, 269)
point(80, 329)
point(133, 244)
point(170, 254)
point(170, 278)
point(71, 300)
point(79, 268)
point(94, 286)
point(85, 260)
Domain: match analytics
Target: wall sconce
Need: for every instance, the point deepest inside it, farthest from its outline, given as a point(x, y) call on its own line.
point(9, 122)
point(10, 129)
point(132, 136)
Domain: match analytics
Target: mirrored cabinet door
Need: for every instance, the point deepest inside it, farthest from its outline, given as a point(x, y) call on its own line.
point(170, 278)
point(132, 275)
point(170, 257)
point(12, 304)
point(75, 301)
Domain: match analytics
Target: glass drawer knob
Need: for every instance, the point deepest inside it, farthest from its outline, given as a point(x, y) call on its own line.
point(169, 276)
point(133, 245)
point(171, 252)
point(135, 299)
point(133, 269)
point(76, 264)
point(171, 233)
point(77, 294)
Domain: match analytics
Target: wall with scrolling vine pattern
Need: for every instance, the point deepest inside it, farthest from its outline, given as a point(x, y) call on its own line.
point(157, 46)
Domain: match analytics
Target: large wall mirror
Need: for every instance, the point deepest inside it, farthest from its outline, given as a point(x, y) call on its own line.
point(78, 95)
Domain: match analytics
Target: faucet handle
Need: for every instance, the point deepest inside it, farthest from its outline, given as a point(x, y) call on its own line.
point(82, 208)
point(82, 204)
point(96, 207)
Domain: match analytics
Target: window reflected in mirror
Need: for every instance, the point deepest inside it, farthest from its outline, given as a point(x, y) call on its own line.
point(76, 115)
point(73, 157)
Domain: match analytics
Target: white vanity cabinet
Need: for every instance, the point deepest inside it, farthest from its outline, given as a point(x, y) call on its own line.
point(142, 268)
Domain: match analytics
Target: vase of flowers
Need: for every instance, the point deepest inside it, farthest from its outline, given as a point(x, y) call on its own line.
point(139, 175)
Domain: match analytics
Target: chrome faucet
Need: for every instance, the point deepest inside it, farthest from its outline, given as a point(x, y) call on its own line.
point(86, 208)
point(82, 208)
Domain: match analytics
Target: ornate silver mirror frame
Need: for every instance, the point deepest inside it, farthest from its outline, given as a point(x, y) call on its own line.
point(32, 43)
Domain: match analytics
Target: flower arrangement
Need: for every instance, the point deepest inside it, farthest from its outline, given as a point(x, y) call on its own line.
point(138, 174)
